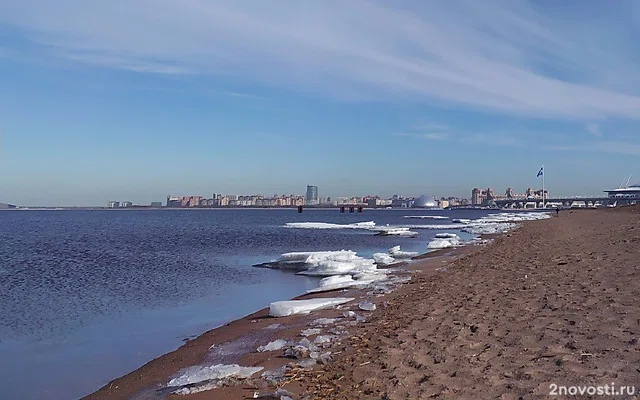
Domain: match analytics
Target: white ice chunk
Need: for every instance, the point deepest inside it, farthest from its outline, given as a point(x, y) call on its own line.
point(359, 279)
point(395, 231)
point(324, 321)
point(196, 389)
point(395, 252)
point(383, 259)
point(348, 314)
point(324, 263)
point(447, 235)
point(513, 217)
point(486, 229)
point(324, 339)
point(310, 332)
point(426, 216)
point(329, 267)
point(290, 307)
point(216, 372)
point(443, 226)
point(365, 278)
point(312, 257)
point(273, 346)
point(325, 225)
point(332, 280)
point(367, 306)
point(461, 221)
point(335, 282)
point(443, 243)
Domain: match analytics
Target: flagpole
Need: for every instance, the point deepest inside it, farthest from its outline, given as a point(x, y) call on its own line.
point(543, 174)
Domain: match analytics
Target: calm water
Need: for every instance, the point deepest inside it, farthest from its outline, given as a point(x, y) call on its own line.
point(87, 296)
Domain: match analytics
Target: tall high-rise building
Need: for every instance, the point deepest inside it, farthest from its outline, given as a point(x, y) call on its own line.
point(476, 196)
point(174, 201)
point(312, 195)
point(489, 195)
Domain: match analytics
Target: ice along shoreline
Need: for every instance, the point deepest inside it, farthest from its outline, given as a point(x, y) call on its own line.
point(197, 364)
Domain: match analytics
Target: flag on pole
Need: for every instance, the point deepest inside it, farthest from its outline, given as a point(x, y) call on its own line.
point(540, 173)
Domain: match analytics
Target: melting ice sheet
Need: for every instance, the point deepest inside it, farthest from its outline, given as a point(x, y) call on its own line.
point(346, 281)
point(512, 217)
point(395, 252)
point(291, 307)
point(426, 216)
point(444, 240)
point(325, 225)
point(323, 263)
point(395, 231)
point(489, 228)
point(209, 377)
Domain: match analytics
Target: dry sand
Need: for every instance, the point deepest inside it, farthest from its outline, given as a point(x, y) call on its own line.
point(553, 302)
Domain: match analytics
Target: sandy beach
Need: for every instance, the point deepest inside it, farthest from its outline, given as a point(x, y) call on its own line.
point(554, 302)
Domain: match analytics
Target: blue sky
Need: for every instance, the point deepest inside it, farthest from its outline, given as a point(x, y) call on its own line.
point(133, 100)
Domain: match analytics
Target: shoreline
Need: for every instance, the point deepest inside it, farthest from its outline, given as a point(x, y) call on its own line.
point(249, 332)
point(553, 302)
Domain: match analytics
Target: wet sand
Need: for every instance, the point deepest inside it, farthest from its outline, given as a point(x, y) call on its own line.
point(552, 302)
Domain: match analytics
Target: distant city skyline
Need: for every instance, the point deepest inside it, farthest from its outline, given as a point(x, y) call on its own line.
point(134, 100)
point(467, 193)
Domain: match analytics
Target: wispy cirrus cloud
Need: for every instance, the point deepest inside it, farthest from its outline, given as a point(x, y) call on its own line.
point(429, 136)
point(524, 139)
point(613, 147)
point(506, 57)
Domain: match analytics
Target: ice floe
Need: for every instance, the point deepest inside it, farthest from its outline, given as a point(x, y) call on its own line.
point(489, 228)
point(201, 378)
point(435, 226)
point(324, 321)
point(291, 307)
point(326, 225)
point(323, 263)
point(328, 268)
point(310, 332)
point(322, 339)
point(383, 259)
point(395, 252)
point(342, 269)
point(349, 314)
point(513, 217)
point(337, 282)
point(397, 231)
point(426, 216)
point(443, 243)
point(272, 346)
point(446, 235)
point(367, 306)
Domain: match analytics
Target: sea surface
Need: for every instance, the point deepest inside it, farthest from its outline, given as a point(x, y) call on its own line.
point(87, 296)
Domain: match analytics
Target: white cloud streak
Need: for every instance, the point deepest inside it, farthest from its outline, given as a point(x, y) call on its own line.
point(506, 57)
point(614, 147)
point(429, 136)
point(514, 139)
